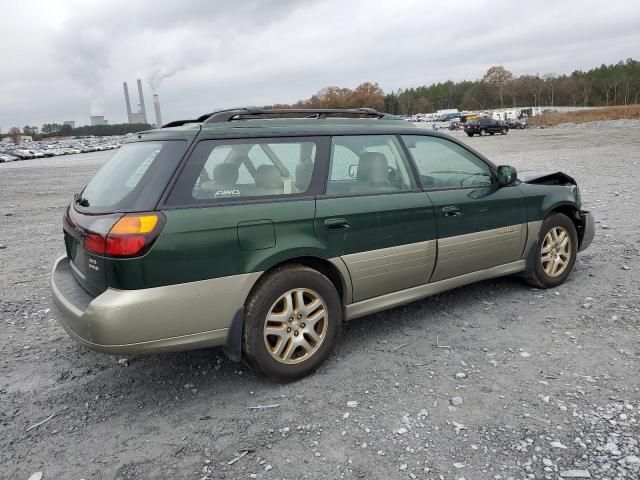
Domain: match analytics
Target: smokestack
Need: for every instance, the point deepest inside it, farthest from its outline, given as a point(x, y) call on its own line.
point(143, 111)
point(156, 106)
point(126, 100)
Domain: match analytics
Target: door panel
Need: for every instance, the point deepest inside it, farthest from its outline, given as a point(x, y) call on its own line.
point(480, 225)
point(490, 230)
point(476, 251)
point(389, 243)
point(377, 272)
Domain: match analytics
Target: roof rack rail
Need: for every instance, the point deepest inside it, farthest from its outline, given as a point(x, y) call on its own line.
point(256, 112)
point(243, 113)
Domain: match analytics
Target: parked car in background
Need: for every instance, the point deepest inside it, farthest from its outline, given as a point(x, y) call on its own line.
point(485, 126)
point(517, 124)
point(261, 232)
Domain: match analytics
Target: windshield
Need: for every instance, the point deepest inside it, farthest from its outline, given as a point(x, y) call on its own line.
point(133, 179)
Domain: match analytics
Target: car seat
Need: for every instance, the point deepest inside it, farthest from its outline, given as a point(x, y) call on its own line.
point(225, 177)
point(269, 181)
point(373, 174)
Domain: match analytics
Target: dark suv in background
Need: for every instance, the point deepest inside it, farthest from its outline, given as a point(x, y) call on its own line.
point(483, 126)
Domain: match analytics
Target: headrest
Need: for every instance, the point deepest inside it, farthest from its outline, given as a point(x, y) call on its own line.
point(225, 174)
point(373, 167)
point(268, 176)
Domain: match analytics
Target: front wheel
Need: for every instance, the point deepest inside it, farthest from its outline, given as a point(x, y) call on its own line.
point(503, 131)
point(292, 320)
point(470, 134)
point(550, 262)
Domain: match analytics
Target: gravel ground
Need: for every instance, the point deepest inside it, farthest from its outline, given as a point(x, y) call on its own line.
point(495, 380)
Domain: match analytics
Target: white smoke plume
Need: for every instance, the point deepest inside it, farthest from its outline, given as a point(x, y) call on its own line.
point(83, 51)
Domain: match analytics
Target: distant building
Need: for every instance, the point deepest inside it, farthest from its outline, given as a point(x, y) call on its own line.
point(71, 123)
point(98, 120)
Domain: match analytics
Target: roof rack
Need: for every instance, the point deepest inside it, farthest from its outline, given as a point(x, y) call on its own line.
point(245, 113)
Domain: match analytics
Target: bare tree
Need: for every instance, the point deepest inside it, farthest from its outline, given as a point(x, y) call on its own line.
point(585, 88)
point(605, 86)
point(551, 81)
point(14, 133)
point(499, 77)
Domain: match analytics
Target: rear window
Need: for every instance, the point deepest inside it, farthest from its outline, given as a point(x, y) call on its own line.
point(133, 179)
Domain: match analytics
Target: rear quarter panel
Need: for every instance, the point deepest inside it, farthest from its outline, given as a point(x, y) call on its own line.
point(203, 243)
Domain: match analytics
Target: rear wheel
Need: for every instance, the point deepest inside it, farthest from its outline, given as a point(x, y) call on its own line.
point(552, 259)
point(292, 320)
point(503, 131)
point(483, 132)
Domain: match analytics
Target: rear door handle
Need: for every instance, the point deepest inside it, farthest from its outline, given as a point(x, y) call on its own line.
point(337, 223)
point(451, 211)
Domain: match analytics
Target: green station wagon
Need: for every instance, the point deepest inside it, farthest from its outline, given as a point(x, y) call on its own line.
point(264, 230)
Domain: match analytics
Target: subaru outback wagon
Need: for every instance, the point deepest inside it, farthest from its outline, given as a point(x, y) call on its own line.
point(264, 230)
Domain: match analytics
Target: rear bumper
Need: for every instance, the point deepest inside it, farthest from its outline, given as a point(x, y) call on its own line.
point(588, 230)
point(161, 319)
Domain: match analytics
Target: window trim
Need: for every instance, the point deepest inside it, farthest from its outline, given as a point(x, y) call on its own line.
point(492, 168)
point(315, 184)
point(409, 170)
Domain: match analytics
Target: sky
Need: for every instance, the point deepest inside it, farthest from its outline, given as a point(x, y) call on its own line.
point(66, 59)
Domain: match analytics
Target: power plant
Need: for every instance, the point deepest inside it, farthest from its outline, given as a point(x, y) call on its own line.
point(141, 115)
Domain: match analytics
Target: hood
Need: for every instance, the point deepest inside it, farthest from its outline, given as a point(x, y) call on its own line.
point(545, 177)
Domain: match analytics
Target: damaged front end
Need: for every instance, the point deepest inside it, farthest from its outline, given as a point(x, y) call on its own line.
point(546, 178)
point(582, 219)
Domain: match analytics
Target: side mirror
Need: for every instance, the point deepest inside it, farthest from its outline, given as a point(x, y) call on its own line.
point(507, 175)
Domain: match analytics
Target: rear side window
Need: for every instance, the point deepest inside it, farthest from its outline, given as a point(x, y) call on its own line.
point(133, 179)
point(367, 164)
point(236, 169)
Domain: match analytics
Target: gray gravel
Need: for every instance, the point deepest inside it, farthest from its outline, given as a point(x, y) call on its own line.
point(533, 384)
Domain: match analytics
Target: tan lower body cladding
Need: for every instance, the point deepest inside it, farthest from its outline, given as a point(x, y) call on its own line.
point(393, 276)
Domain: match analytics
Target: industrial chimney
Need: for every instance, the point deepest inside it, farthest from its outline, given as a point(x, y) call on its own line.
point(156, 106)
point(126, 100)
point(143, 111)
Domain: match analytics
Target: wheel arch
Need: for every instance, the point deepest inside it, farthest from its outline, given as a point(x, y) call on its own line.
point(573, 212)
point(334, 269)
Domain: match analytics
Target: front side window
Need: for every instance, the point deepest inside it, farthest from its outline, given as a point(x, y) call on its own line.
point(444, 164)
point(245, 168)
point(363, 164)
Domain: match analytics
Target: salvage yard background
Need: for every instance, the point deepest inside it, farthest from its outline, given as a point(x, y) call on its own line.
point(494, 380)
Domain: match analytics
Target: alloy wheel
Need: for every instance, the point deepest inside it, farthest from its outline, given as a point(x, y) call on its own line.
point(555, 252)
point(296, 326)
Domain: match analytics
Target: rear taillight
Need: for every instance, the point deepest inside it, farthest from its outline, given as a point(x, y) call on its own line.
point(130, 235)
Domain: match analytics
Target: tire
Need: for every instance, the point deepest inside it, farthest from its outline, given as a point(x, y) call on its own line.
point(261, 349)
point(492, 133)
point(483, 132)
point(470, 134)
point(537, 272)
point(504, 131)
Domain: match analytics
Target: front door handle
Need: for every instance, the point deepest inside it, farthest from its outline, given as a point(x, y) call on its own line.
point(337, 223)
point(451, 211)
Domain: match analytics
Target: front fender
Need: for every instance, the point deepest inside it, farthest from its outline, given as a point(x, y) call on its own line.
point(541, 200)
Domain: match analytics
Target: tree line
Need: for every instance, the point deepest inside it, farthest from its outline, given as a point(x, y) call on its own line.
point(607, 85)
point(61, 130)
